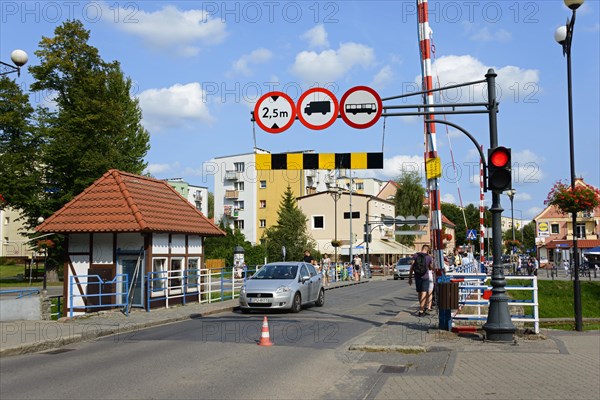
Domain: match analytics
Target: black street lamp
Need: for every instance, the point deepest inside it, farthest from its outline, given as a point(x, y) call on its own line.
point(19, 58)
point(564, 36)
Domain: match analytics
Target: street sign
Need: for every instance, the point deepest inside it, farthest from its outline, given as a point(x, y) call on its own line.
point(274, 112)
point(472, 234)
point(317, 108)
point(543, 229)
point(361, 107)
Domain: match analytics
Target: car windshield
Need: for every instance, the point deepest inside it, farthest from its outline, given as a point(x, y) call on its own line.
point(404, 261)
point(276, 271)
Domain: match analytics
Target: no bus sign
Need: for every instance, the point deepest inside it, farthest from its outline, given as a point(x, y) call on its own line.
point(361, 107)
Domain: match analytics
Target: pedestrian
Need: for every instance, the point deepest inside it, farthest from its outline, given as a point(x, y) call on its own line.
point(325, 268)
point(566, 267)
point(307, 257)
point(420, 269)
point(356, 268)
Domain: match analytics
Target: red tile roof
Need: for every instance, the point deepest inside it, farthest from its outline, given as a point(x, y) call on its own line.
point(123, 202)
point(446, 221)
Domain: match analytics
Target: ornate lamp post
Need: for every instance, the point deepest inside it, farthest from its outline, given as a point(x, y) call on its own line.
point(336, 194)
point(511, 195)
point(564, 36)
point(19, 58)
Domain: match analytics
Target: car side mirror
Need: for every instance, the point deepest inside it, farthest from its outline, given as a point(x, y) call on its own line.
point(305, 278)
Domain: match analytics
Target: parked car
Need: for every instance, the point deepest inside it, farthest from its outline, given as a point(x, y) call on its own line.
point(282, 285)
point(402, 268)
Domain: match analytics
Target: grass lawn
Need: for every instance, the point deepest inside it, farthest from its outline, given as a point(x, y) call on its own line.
point(556, 298)
point(8, 277)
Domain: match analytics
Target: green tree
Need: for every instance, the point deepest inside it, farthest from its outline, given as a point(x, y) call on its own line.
point(20, 149)
point(409, 201)
point(97, 124)
point(458, 215)
point(529, 235)
point(211, 205)
point(289, 231)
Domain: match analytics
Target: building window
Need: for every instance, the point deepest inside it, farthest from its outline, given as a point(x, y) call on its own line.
point(239, 224)
point(239, 166)
point(360, 186)
point(581, 231)
point(192, 274)
point(318, 222)
point(176, 275)
point(6, 220)
point(239, 186)
point(262, 223)
point(554, 228)
point(239, 204)
point(263, 204)
point(263, 184)
point(159, 276)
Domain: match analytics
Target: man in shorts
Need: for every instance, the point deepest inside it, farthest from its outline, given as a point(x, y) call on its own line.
point(423, 279)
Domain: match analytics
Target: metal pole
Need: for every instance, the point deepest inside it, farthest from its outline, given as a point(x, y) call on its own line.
point(498, 326)
point(351, 237)
point(576, 283)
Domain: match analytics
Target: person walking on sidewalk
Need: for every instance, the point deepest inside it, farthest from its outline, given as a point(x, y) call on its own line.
point(356, 267)
point(420, 269)
point(325, 268)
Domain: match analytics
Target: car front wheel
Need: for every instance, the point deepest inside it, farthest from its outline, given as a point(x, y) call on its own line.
point(321, 299)
point(297, 303)
point(395, 278)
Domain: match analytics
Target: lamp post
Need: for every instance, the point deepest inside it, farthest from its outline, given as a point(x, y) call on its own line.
point(564, 36)
point(511, 195)
point(19, 58)
point(336, 194)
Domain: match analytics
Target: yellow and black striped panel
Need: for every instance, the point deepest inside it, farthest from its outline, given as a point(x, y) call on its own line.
point(297, 161)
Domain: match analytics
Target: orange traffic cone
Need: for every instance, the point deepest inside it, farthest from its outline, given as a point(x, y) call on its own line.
point(264, 335)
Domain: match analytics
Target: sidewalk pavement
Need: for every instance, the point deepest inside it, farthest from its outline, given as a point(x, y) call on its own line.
point(421, 360)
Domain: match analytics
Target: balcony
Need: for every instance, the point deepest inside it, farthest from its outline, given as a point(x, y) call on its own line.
point(231, 212)
point(198, 196)
point(232, 175)
point(232, 194)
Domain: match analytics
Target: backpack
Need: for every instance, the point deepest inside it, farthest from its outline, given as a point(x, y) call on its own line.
point(420, 265)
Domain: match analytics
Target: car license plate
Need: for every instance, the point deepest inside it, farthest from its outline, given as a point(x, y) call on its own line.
point(259, 300)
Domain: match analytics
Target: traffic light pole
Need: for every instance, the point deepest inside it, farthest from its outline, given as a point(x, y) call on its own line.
point(499, 326)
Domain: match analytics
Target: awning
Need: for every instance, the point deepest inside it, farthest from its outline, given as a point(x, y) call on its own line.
point(380, 246)
point(567, 244)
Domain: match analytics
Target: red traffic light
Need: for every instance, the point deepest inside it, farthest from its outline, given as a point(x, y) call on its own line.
point(500, 157)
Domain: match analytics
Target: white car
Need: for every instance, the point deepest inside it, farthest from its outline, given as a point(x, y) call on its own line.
point(282, 285)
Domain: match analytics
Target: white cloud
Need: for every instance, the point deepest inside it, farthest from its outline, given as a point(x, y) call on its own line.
point(458, 69)
point(397, 165)
point(174, 106)
point(532, 212)
point(594, 28)
point(448, 198)
point(526, 167)
point(316, 37)
point(158, 169)
point(383, 78)
point(330, 65)
point(258, 56)
point(521, 196)
point(172, 29)
point(484, 34)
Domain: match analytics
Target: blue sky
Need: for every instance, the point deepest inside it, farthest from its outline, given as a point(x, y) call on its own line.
point(198, 68)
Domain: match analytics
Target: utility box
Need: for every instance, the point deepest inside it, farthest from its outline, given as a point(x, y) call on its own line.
point(448, 295)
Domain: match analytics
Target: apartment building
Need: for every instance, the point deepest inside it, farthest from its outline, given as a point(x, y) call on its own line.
point(196, 195)
point(15, 242)
point(248, 199)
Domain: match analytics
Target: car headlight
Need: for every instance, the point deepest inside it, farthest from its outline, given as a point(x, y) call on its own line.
point(395, 269)
point(283, 289)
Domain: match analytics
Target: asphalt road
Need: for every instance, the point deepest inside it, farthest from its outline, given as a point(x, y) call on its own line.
point(218, 356)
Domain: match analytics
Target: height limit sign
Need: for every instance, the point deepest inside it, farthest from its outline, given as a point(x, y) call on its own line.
point(275, 112)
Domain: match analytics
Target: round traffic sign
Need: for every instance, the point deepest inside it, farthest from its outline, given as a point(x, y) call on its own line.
point(274, 112)
point(317, 108)
point(361, 107)
point(543, 227)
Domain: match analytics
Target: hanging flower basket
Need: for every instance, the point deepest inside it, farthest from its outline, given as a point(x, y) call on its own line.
point(512, 243)
point(2, 202)
point(336, 243)
point(583, 198)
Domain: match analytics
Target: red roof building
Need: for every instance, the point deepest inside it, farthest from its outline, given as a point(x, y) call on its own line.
point(131, 241)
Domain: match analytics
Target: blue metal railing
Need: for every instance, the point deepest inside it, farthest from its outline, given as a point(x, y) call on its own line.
point(20, 292)
point(111, 298)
